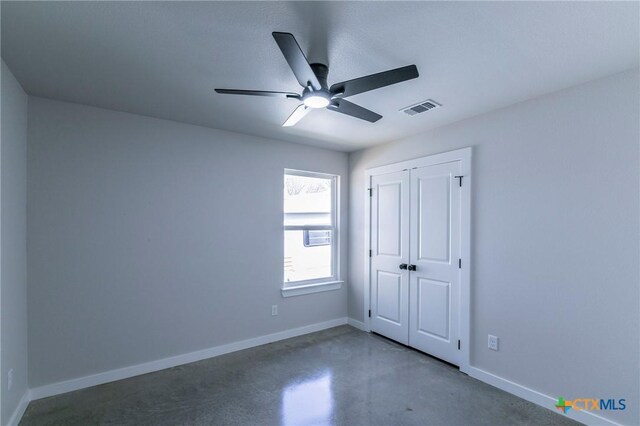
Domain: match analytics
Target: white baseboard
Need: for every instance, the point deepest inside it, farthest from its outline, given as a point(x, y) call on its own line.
point(20, 409)
point(546, 401)
point(523, 392)
point(357, 324)
point(161, 364)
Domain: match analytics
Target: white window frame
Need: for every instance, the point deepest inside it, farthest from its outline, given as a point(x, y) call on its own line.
point(333, 282)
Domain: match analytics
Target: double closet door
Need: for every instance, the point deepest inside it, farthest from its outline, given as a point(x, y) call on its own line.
point(415, 258)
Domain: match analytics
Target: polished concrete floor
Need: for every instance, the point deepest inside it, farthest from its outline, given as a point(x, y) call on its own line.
point(339, 376)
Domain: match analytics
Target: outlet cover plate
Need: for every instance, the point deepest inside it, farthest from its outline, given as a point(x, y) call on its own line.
point(10, 379)
point(493, 342)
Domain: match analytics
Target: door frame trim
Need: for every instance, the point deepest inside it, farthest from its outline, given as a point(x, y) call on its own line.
point(463, 155)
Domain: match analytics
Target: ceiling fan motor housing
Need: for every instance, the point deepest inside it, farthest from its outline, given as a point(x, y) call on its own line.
point(321, 71)
point(312, 97)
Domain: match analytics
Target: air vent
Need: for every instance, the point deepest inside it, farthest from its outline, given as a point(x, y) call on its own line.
point(421, 107)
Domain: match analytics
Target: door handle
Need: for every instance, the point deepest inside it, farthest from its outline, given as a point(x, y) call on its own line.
point(411, 267)
point(403, 266)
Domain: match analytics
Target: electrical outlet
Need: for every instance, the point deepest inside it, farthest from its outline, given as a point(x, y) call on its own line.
point(493, 343)
point(274, 310)
point(10, 379)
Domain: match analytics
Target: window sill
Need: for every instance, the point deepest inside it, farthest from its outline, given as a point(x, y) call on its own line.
point(311, 288)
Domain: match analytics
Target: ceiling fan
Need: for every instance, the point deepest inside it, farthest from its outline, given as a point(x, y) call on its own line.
point(316, 93)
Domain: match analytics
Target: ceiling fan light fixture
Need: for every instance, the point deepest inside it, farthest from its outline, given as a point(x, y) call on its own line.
point(316, 100)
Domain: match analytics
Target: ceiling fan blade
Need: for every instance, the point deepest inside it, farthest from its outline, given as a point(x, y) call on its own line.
point(374, 81)
point(296, 59)
point(258, 93)
point(345, 107)
point(296, 116)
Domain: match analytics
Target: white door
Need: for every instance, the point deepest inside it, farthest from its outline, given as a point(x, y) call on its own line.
point(434, 285)
point(389, 250)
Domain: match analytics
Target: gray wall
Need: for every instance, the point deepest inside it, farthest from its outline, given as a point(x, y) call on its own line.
point(150, 238)
point(13, 249)
point(554, 237)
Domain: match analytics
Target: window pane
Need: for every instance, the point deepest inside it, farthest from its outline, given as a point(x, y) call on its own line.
point(307, 257)
point(307, 200)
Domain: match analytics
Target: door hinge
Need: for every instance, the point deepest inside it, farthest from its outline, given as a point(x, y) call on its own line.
point(459, 179)
point(458, 344)
point(369, 313)
point(370, 253)
point(459, 263)
point(370, 192)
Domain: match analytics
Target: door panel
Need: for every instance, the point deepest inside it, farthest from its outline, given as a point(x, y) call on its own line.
point(433, 226)
point(434, 287)
point(389, 296)
point(433, 308)
point(389, 223)
point(389, 249)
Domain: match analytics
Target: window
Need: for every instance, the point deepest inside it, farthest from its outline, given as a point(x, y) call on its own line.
point(310, 232)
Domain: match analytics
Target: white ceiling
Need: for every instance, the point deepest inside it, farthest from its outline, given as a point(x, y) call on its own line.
point(163, 59)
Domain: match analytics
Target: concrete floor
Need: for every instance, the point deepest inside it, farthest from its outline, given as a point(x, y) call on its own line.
point(339, 376)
